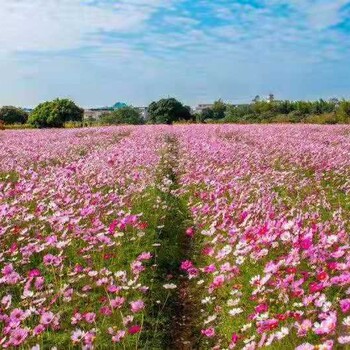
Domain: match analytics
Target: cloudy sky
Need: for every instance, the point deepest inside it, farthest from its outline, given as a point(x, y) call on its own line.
point(98, 52)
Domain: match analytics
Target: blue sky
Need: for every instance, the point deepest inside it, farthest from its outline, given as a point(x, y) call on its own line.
point(98, 52)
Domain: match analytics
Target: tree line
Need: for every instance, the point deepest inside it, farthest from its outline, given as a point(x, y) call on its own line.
point(61, 112)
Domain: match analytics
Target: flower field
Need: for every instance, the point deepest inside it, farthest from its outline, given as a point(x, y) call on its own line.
point(175, 237)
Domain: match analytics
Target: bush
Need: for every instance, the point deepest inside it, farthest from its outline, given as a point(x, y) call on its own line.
point(343, 112)
point(55, 114)
point(13, 115)
point(73, 125)
point(2, 125)
point(18, 126)
point(330, 118)
point(125, 115)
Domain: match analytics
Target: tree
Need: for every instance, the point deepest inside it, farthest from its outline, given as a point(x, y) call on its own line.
point(13, 115)
point(124, 115)
point(167, 111)
point(55, 113)
point(219, 109)
point(207, 113)
point(343, 112)
point(256, 99)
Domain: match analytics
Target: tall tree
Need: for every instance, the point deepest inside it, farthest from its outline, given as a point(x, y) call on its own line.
point(124, 115)
point(219, 109)
point(167, 111)
point(13, 115)
point(55, 113)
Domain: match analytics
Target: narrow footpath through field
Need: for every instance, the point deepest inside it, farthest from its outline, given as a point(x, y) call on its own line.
point(169, 323)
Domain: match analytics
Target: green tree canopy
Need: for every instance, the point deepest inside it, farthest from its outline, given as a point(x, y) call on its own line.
point(207, 113)
point(219, 109)
point(55, 113)
point(343, 111)
point(124, 115)
point(167, 111)
point(13, 115)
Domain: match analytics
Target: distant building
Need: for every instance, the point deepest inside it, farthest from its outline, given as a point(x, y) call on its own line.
point(96, 113)
point(119, 105)
point(201, 107)
point(143, 111)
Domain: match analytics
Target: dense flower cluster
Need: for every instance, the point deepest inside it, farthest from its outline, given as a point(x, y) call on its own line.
point(271, 233)
point(267, 259)
point(72, 253)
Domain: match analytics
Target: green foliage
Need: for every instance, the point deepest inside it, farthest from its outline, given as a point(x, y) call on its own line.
point(320, 112)
point(167, 111)
point(13, 115)
point(219, 109)
point(125, 115)
point(18, 126)
point(343, 112)
point(55, 114)
point(207, 114)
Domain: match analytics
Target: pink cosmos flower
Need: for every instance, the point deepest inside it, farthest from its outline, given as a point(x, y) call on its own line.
point(137, 267)
point(39, 282)
point(89, 338)
point(119, 335)
point(305, 243)
point(113, 289)
point(38, 329)
point(134, 329)
point(210, 268)
point(209, 251)
point(77, 336)
point(344, 339)
point(208, 332)
point(18, 336)
point(192, 272)
point(7, 269)
point(190, 232)
point(144, 256)
point(17, 315)
point(90, 317)
point(304, 327)
point(234, 341)
point(217, 282)
point(186, 265)
point(106, 311)
point(6, 301)
point(345, 305)
point(327, 326)
point(46, 318)
point(117, 302)
point(267, 325)
point(53, 260)
point(261, 308)
point(137, 306)
point(34, 273)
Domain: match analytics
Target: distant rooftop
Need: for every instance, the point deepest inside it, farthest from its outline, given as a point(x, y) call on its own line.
point(119, 105)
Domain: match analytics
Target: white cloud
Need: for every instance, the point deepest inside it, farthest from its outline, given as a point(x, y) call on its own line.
point(320, 14)
point(139, 50)
point(29, 25)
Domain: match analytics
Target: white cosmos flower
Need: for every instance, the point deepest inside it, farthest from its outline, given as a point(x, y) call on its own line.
point(346, 321)
point(210, 319)
point(169, 286)
point(235, 311)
